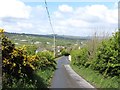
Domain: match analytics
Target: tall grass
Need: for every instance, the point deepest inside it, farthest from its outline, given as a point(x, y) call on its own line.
point(96, 79)
point(46, 76)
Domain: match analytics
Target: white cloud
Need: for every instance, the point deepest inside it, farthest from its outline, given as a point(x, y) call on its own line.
point(25, 25)
point(14, 8)
point(58, 14)
point(15, 16)
point(38, 12)
point(77, 23)
point(87, 20)
point(97, 13)
point(12, 28)
point(112, 16)
point(65, 8)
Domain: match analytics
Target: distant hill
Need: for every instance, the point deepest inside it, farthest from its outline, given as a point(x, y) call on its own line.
point(51, 36)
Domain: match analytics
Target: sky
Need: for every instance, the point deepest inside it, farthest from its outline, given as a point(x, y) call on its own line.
point(75, 17)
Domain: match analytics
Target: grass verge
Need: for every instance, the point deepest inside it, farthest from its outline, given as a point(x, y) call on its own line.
point(96, 79)
point(43, 78)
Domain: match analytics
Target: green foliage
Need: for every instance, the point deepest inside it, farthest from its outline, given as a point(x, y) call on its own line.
point(79, 57)
point(46, 60)
point(32, 39)
point(96, 79)
point(45, 79)
point(108, 57)
point(21, 63)
point(15, 64)
point(65, 52)
point(31, 49)
point(105, 58)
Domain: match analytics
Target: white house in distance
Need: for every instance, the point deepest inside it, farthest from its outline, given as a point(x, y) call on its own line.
point(23, 40)
point(37, 42)
point(69, 57)
point(40, 50)
point(48, 42)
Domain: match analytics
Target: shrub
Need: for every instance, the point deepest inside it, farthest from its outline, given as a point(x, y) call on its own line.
point(108, 57)
point(79, 57)
point(105, 58)
point(46, 60)
point(19, 65)
point(65, 52)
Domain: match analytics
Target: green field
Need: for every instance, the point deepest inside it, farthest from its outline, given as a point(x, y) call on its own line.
point(44, 41)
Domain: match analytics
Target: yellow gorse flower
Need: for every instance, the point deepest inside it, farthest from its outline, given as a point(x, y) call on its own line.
point(2, 30)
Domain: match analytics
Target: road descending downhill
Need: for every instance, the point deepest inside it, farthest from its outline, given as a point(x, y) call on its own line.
point(65, 77)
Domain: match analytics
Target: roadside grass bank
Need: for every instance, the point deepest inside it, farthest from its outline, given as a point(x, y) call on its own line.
point(96, 79)
point(98, 61)
point(43, 78)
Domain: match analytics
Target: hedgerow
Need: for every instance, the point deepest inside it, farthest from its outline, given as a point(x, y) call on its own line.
point(106, 58)
point(20, 64)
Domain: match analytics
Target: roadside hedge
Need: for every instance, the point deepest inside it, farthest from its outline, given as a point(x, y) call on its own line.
point(20, 64)
point(106, 59)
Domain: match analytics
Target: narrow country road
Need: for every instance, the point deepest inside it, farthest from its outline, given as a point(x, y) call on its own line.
point(65, 77)
point(60, 79)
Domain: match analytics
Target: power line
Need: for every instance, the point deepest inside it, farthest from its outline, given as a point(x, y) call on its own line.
point(50, 24)
point(49, 16)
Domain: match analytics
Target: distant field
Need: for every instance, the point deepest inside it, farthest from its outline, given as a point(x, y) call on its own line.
point(43, 40)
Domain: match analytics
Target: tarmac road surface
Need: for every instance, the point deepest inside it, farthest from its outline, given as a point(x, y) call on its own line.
point(65, 77)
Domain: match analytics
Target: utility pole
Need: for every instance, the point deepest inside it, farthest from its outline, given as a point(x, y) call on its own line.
point(51, 26)
point(54, 46)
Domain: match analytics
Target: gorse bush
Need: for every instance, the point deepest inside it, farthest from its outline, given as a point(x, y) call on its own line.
point(16, 64)
point(20, 64)
point(46, 60)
